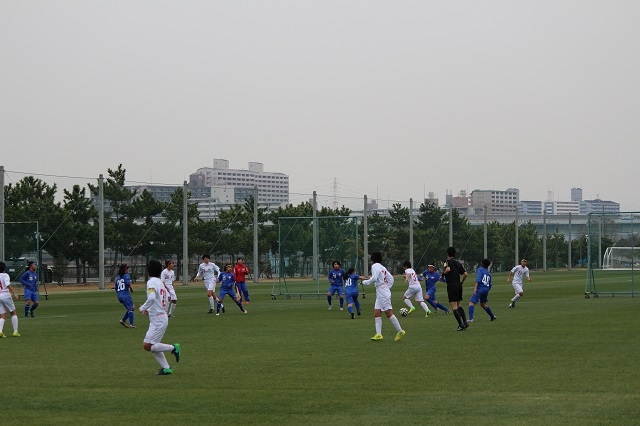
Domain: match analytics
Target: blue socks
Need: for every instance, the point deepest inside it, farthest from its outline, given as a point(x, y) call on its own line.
point(488, 311)
point(471, 309)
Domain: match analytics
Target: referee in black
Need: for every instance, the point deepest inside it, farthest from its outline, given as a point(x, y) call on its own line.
point(455, 275)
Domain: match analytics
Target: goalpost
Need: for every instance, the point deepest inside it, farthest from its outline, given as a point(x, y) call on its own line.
point(613, 254)
point(335, 238)
point(621, 258)
point(20, 242)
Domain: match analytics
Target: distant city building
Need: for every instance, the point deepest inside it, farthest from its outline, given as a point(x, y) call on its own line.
point(562, 207)
point(431, 198)
point(496, 202)
point(576, 194)
point(599, 206)
point(530, 207)
point(461, 201)
point(235, 186)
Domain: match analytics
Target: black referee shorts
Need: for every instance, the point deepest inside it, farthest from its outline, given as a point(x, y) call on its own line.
point(454, 291)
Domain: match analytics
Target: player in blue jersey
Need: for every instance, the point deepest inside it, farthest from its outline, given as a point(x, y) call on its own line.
point(122, 285)
point(227, 282)
point(29, 280)
point(481, 290)
point(431, 277)
point(336, 279)
point(351, 291)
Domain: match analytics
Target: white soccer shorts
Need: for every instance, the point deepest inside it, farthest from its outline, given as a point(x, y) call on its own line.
point(414, 290)
point(383, 298)
point(157, 328)
point(517, 287)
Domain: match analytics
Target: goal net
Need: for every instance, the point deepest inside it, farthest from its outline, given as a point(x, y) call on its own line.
point(306, 253)
point(621, 258)
point(613, 254)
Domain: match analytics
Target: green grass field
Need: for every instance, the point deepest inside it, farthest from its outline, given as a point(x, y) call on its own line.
point(557, 358)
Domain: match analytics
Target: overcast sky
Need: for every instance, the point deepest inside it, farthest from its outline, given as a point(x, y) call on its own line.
point(393, 99)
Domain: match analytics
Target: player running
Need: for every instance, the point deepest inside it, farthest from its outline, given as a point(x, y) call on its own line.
point(414, 290)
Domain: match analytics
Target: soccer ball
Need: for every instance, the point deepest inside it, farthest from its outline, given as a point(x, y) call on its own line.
point(404, 312)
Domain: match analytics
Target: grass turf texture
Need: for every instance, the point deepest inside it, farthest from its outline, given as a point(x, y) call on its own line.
point(557, 358)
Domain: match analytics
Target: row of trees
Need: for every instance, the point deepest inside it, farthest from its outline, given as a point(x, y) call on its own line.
point(68, 230)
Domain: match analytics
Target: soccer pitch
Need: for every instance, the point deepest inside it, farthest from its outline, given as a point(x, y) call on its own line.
point(557, 358)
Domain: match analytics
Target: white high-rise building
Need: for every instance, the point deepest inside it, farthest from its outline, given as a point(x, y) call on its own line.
point(234, 186)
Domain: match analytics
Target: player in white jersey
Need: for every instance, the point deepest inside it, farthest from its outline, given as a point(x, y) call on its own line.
point(209, 272)
point(383, 281)
point(518, 273)
point(167, 277)
point(414, 289)
point(6, 302)
point(156, 307)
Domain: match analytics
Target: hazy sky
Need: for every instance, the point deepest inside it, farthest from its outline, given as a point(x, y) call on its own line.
point(393, 99)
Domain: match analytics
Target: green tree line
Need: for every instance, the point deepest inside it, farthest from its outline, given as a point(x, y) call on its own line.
point(140, 225)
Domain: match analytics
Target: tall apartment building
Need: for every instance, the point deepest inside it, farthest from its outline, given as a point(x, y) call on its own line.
point(234, 186)
point(496, 202)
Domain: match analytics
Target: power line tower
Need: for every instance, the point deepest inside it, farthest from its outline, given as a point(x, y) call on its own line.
point(334, 204)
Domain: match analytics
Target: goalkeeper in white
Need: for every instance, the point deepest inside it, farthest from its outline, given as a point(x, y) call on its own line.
point(383, 281)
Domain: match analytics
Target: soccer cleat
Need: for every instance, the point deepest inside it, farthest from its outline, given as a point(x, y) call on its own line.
point(244, 311)
point(400, 335)
point(330, 307)
point(176, 351)
point(211, 311)
point(461, 328)
point(353, 316)
point(15, 334)
point(124, 324)
point(411, 310)
point(217, 314)
point(164, 371)
point(2, 336)
point(466, 325)
point(341, 309)
point(470, 320)
point(358, 313)
point(512, 304)
point(132, 326)
point(31, 313)
point(222, 307)
point(448, 312)
point(377, 337)
point(493, 318)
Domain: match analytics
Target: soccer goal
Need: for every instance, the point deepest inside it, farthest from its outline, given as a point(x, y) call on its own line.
point(307, 248)
point(613, 254)
point(20, 244)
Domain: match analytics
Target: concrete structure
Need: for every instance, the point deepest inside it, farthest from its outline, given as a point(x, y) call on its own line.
point(576, 194)
point(235, 186)
point(530, 207)
point(496, 202)
point(598, 206)
point(562, 207)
